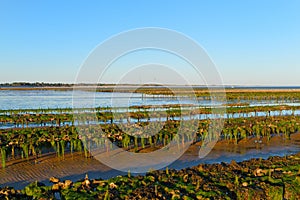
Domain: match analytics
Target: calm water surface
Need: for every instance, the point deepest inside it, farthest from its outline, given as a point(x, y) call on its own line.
point(34, 99)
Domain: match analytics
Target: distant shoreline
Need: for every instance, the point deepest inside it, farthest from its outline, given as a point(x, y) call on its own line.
point(142, 89)
point(42, 85)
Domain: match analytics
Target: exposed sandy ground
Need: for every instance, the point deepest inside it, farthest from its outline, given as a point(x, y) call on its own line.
point(19, 174)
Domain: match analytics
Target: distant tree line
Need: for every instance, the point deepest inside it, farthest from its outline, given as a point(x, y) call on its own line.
point(42, 84)
point(36, 84)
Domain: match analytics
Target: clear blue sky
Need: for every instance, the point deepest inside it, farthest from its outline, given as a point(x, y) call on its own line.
point(251, 42)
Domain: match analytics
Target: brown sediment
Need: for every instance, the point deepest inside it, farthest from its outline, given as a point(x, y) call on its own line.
point(19, 174)
point(226, 147)
point(47, 166)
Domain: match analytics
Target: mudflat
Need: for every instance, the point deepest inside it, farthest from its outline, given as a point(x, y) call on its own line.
point(20, 173)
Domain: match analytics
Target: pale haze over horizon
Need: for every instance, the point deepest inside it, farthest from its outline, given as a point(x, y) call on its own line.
point(250, 42)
